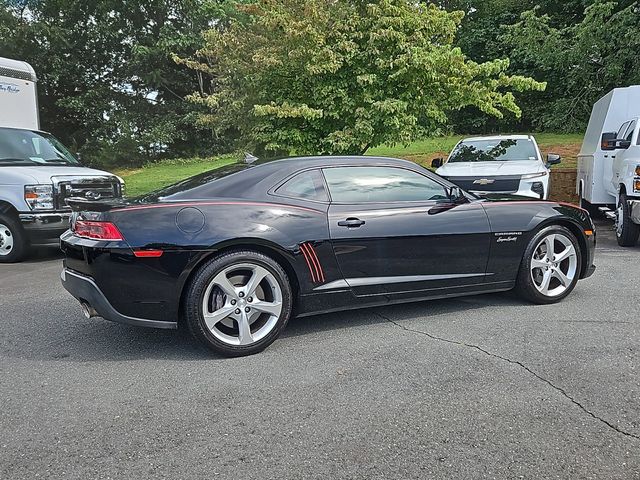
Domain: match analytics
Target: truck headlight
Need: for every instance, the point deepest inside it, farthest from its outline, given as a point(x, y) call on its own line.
point(534, 175)
point(39, 197)
point(638, 170)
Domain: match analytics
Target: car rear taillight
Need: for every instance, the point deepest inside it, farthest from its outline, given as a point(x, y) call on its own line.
point(96, 230)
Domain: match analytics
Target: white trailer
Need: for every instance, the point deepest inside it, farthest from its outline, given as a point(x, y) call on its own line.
point(18, 95)
point(609, 162)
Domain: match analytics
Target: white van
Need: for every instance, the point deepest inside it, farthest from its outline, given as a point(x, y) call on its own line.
point(18, 95)
point(609, 162)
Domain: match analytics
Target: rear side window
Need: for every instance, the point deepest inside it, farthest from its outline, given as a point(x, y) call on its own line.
point(307, 185)
point(380, 184)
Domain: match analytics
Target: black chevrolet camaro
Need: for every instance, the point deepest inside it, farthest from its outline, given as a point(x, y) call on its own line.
point(232, 254)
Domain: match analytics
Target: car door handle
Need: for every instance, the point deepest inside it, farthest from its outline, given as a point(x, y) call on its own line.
point(351, 222)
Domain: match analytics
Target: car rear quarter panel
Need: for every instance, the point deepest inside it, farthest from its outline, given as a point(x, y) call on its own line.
point(191, 233)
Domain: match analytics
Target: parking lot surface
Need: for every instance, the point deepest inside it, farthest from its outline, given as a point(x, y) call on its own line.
point(477, 387)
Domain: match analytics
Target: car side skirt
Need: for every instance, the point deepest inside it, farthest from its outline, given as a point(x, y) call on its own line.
point(341, 300)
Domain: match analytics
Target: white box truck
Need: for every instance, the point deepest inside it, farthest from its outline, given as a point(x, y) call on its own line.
point(37, 173)
point(609, 162)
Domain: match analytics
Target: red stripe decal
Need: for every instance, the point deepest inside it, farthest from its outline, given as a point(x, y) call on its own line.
point(309, 252)
point(196, 204)
point(306, 259)
point(317, 260)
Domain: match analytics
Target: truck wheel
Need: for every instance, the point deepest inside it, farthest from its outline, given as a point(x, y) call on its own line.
point(626, 231)
point(13, 243)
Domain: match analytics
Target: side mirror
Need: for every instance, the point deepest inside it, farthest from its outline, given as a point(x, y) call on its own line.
point(454, 196)
point(454, 193)
point(553, 159)
point(608, 141)
point(437, 162)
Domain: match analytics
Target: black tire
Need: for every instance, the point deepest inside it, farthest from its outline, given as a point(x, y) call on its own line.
point(195, 296)
point(525, 286)
point(626, 233)
point(13, 241)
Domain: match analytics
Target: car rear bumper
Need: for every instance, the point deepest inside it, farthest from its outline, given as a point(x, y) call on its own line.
point(86, 291)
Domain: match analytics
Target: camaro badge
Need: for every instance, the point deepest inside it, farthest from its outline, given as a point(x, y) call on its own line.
point(483, 181)
point(507, 236)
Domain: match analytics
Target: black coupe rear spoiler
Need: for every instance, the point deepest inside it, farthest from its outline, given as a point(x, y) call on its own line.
point(78, 204)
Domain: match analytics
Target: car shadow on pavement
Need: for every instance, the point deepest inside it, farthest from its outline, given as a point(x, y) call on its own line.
point(401, 312)
point(98, 340)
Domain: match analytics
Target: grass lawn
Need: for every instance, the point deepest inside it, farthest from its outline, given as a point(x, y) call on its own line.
point(157, 175)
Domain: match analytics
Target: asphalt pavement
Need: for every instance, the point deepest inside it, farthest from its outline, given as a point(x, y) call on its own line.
point(477, 387)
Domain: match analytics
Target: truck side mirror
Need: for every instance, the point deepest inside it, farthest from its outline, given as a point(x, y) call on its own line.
point(437, 162)
point(608, 141)
point(553, 159)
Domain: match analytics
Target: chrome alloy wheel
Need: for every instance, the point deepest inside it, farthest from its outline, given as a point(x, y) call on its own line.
point(554, 264)
point(6, 240)
point(242, 304)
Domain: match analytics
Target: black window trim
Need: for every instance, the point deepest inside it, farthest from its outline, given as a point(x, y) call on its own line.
point(396, 202)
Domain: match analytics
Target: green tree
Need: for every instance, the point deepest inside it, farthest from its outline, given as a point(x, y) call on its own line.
point(338, 77)
point(581, 61)
point(108, 85)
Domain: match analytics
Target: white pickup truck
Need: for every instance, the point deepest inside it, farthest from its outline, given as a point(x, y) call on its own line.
point(37, 173)
point(502, 164)
point(609, 162)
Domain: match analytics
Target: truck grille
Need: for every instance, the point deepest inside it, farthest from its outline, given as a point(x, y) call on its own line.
point(91, 188)
point(501, 184)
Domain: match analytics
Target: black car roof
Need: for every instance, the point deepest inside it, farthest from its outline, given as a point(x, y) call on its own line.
point(254, 180)
point(322, 161)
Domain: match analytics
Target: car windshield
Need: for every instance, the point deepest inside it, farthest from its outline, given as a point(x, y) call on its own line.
point(496, 150)
point(28, 147)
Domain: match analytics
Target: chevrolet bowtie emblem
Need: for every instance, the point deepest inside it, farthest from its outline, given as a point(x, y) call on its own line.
point(483, 181)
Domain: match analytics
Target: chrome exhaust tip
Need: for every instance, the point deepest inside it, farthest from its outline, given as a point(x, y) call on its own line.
point(88, 311)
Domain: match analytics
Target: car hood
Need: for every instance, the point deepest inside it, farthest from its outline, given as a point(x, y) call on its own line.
point(44, 174)
point(490, 169)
